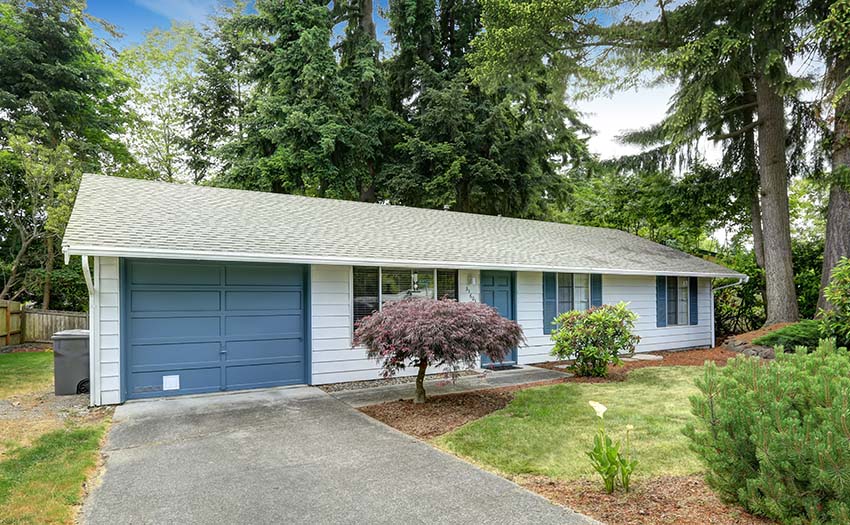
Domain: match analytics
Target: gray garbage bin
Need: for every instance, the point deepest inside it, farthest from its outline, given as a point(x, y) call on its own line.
point(71, 362)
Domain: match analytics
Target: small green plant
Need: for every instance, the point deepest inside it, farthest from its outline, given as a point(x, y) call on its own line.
point(627, 464)
point(595, 338)
point(835, 321)
point(805, 333)
point(606, 457)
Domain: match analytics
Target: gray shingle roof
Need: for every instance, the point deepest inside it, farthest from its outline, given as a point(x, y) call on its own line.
point(136, 218)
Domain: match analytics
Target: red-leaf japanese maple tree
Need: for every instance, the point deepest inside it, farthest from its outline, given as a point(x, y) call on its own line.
point(444, 333)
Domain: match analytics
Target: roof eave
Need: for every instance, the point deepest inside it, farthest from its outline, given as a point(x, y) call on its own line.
point(149, 253)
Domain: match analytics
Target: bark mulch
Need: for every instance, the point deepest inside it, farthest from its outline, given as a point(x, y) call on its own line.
point(670, 358)
point(444, 413)
point(755, 334)
point(667, 500)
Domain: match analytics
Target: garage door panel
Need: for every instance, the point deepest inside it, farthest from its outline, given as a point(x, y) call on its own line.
point(213, 326)
point(175, 354)
point(166, 273)
point(194, 381)
point(182, 328)
point(254, 376)
point(175, 300)
point(263, 300)
point(266, 349)
point(264, 325)
point(277, 275)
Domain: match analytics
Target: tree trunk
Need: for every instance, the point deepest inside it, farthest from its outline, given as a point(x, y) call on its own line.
point(773, 171)
point(48, 273)
point(758, 236)
point(420, 381)
point(837, 244)
point(367, 22)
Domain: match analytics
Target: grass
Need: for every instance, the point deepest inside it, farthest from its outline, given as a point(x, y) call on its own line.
point(25, 372)
point(43, 482)
point(548, 430)
point(805, 333)
point(46, 453)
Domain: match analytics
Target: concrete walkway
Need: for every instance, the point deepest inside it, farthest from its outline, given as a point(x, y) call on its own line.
point(293, 455)
point(488, 379)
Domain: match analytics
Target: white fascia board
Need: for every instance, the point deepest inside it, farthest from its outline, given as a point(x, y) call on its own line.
point(153, 253)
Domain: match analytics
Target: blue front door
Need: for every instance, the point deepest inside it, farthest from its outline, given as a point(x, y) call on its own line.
point(497, 290)
point(194, 327)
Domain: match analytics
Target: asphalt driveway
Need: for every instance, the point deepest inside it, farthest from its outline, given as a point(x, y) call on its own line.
point(292, 455)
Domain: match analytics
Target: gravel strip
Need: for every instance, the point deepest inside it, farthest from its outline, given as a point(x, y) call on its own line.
point(371, 383)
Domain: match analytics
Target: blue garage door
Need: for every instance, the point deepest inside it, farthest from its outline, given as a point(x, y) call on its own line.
point(196, 327)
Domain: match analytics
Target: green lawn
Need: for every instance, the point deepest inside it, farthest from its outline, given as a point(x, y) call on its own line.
point(45, 453)
point(548, 430)
point(42, 483)
point(25, 372)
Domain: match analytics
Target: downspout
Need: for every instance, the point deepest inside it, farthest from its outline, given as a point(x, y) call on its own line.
point(739, 282)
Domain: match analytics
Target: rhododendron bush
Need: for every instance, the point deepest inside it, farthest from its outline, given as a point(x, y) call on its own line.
point(444, 333)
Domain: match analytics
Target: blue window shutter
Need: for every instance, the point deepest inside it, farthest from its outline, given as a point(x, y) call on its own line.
point(660, 301)
point(693, 304)
point(595, 289)
point(550, 301)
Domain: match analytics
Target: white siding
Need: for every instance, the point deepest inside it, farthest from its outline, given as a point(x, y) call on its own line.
point(638, 291)
point(529, 310)
point(333, 358)
point(105, 333)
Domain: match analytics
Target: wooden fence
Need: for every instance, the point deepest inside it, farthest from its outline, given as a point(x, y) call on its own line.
point(40, 325)
point(10, 323)
point(26, 325)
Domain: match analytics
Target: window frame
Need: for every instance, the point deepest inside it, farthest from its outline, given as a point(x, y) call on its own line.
point(678, 317)
point(573, 302)
point(434, 276)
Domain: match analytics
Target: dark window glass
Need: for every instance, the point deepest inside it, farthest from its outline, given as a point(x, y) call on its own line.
point(447, 284)
point(365, 292)
point(565, 292)
point(672, 301)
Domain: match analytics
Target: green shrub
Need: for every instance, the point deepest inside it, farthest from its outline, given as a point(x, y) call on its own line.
point(835, 322)
point(595, 338)
point(805, 333)
point(774, 434)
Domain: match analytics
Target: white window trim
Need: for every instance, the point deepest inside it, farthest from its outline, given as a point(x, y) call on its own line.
point(558, 291)
point(380, 287)
point(681, 320)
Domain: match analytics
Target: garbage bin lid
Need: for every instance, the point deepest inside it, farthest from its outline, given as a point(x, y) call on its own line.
point(69, 334)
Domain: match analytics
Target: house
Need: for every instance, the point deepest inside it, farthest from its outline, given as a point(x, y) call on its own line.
point(198, 289)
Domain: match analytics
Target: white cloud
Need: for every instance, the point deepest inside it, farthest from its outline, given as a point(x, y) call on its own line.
point(194, 11)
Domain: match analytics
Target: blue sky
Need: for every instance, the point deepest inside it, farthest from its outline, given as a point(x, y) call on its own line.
point(609, 116)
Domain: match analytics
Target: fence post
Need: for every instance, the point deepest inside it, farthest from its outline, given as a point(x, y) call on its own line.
point(8, 323)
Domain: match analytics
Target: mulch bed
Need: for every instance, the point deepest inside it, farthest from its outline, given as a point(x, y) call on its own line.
point(444, 413)
point(671, 358)
point(667, 500)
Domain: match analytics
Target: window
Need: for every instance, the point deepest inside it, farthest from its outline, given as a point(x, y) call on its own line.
point(365, 288)
point(573, 291)
point(678, 294)
point(581, 283)
point(684, 295)
point(374, 287)
point(565, 292)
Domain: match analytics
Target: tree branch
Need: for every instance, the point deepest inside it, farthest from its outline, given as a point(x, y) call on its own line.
point(736, 133)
